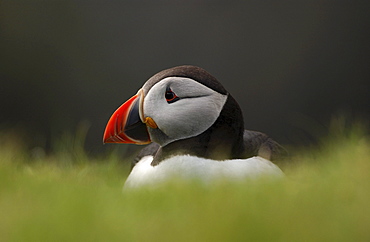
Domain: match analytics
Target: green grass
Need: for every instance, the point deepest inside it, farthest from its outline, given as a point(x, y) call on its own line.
point(69, 196)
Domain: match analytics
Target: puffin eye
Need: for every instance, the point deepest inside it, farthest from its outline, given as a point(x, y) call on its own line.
point(170, 96)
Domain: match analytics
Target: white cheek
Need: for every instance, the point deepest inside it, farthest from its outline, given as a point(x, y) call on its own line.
point(192, 116)
point(186, 117)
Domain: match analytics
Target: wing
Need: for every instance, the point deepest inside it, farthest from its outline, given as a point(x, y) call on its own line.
point(257, 143)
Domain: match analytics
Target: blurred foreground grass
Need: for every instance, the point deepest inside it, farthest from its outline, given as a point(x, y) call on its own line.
point(74, 197)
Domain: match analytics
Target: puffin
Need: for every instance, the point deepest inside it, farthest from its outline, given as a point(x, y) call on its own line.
point(194, 128)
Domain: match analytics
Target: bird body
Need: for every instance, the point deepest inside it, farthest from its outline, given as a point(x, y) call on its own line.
point(197, 128)
point(198, 168)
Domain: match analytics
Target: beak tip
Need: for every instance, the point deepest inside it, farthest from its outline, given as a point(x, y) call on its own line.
point(108, 138)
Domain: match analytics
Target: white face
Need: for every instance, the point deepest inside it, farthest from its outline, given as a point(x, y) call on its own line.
point(195, 110)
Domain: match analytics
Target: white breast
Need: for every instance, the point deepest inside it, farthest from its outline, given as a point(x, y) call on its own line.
point(191, 167)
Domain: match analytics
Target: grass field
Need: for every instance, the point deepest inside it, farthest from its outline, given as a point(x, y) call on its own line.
point(69, 196)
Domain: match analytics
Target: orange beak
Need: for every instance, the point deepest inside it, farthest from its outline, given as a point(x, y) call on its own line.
point(125, 125)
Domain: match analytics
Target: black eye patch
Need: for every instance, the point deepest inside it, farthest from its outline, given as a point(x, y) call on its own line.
point(170, 96)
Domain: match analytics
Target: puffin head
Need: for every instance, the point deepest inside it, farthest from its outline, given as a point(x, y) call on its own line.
point(173, 105)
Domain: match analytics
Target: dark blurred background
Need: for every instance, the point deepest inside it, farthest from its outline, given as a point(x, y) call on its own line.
point(291, 65)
